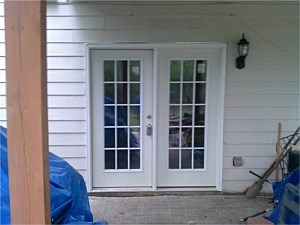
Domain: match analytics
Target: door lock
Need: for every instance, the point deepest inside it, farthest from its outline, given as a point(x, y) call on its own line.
point(149, 129)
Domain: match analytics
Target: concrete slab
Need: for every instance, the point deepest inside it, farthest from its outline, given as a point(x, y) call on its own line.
point(200, 209)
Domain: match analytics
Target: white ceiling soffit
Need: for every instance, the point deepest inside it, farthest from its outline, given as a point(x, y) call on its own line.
point(181, 1)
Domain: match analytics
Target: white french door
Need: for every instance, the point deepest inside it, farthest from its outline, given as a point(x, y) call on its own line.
point(189, 115)
point(179, 143)
point(121, 103)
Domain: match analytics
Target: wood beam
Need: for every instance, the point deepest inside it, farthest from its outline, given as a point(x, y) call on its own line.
point(27, 120)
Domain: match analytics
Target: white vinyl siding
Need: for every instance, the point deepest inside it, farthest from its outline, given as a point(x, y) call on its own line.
point(257, 97)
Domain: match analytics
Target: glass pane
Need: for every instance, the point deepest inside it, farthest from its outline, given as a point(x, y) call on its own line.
point(175, 70)
point(187, 115)
point(109, 91)
point(199, 137)
point(134, 116)
point(186, 137)
point(122, 137)
point(200, 93)
point(134, 93)
point(122, 116)
point(122, 93)
point(109, 159)
point(199, 115)
point(175, 93)
point(173, 159)
point(109, 119)
point(173, 137)
point(109, 137)
point(174, 115)
point(135, 159)
point(198, 159)
point(188, 70)
point(201, 70)
point(186, 159)
point(135, 70)
point(187, 93)
point(135, 137)
point(121, 70)
point(122, 159)
point(109, 70)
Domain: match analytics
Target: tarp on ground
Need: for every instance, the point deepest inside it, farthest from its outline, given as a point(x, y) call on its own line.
point(68, 194)
point(278, 189)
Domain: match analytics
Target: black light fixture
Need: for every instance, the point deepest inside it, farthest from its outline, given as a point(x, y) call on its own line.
point(243, 48)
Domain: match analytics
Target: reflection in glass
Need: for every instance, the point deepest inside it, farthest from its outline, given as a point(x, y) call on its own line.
point(174, 93)
point(135, 137)
point(134, 115)
point(174, 137)
point(201, 70)
point(198, 158)
point(188, 70)
point(109, 141)
point(174, 159)
point(186, 159)
point(109, 159)
point(109, 71)
point(122, 159)
point(174, 115)
point(187, 115)
point(187, 93)
point(200, 93)
point(175, 70)
point(122, 116)
point(135, 70)
point(135, 159)
point(186, 137)
point(121, 93)
point(199, 115)
point(199, 137)
point(109, 119)
point(134, 93)
point(109, 91)
point(122, 134)
point(121, 70)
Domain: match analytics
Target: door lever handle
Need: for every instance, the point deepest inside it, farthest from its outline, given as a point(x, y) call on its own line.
point(149, 129)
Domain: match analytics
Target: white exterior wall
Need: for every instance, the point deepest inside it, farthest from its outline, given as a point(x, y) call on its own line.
point(256, 98)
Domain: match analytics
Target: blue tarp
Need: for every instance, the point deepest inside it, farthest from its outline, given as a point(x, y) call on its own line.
point(68, 194)
point(278, 189)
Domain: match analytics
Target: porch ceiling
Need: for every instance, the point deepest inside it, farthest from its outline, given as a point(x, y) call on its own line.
point(296, 2)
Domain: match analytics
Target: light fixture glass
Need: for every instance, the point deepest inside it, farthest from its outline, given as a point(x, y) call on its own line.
point(243, 49)
point(243, 46)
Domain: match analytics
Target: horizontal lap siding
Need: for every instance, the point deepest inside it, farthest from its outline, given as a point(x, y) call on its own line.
point(257, 98)
point(67, 90)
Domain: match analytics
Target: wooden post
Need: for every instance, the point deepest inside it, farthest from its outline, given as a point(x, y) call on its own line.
point(25, 30)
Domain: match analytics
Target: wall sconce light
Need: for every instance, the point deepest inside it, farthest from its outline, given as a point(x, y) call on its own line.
point(243, 49)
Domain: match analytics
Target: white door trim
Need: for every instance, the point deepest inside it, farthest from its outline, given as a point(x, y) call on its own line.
point(155, 47)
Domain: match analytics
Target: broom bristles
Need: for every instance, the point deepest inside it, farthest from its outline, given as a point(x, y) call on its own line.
point(253, 190)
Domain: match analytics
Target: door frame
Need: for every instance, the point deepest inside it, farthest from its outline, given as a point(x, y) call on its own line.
point(154, 47)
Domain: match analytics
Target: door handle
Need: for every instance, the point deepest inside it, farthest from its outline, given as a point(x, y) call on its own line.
point(149, 129)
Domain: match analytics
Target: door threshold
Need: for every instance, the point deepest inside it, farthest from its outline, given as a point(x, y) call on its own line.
point(143, 192)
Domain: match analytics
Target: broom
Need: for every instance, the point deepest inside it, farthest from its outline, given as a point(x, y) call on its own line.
point(256, 187)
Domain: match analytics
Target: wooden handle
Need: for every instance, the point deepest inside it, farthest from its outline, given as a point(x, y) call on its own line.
point(277, 152)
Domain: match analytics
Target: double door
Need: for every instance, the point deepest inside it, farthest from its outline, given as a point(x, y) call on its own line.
point(154, 117)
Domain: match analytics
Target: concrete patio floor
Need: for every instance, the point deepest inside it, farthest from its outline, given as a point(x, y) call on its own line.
point(196, 209)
